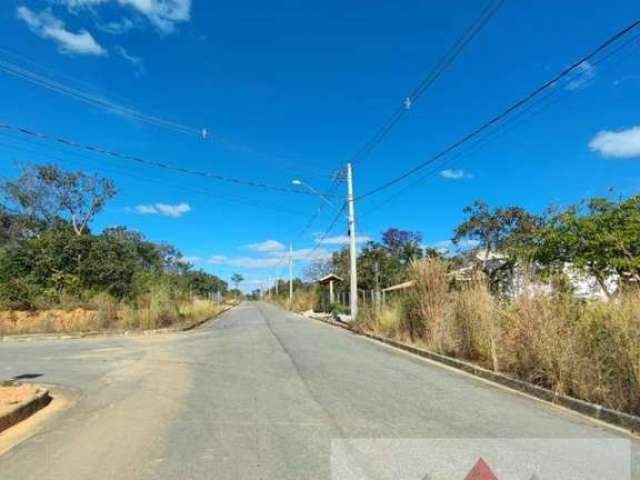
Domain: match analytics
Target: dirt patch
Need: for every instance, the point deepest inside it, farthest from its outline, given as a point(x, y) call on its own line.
point(47, 321)
point(61, 400)
point(13, 396)
point(20, 401)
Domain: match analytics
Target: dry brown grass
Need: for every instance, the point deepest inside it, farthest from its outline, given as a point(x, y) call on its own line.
point(590, 350)
point(155, 310)
point(302, 301)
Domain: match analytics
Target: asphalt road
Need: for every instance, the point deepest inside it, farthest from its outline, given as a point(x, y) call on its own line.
point(259, 394)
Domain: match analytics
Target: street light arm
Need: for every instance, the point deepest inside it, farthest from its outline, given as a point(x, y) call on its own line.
point(321, 195)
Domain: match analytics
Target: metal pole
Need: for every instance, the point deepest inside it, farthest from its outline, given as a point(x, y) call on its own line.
point(377, 279)
point(330, 292)
point(290, 275)
point(353, 298)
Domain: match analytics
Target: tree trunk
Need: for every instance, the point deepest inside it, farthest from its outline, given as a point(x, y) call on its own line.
point(603, 286)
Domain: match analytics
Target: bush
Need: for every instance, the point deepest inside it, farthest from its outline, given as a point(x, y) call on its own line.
point(587, 349)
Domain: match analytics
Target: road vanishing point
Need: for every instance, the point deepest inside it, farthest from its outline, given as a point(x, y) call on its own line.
point(260, 393)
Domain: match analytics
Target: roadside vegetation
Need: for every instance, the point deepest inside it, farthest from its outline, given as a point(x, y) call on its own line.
point(305, 295)
point(553, 299)
point(56, 275)
point(586, 349)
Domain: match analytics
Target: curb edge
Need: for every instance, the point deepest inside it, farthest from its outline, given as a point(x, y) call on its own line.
point(24, 411)
point(593, 410)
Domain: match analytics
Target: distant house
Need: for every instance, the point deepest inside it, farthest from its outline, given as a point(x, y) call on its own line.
point(516, 279)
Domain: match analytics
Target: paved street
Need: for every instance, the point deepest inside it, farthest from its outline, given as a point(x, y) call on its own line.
point(259, 393)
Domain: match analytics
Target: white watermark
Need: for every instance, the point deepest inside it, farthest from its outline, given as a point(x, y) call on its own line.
point(480, 459)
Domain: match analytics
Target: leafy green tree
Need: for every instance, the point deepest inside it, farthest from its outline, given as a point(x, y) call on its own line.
point(201, 283)
point(402, 244)
point(47, 193)
point(15, 227)
point(512, 230)
point(237, 279)
point(600, 237)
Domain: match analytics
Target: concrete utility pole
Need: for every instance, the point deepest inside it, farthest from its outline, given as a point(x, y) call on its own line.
point(353, 297)
point(376, 269)
point(290, 275)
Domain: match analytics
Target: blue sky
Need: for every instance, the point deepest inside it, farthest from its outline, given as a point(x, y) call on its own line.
point(293, 89)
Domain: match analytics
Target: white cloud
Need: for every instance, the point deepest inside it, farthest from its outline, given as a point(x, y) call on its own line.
point(249, 262)
point(446, 246)
point(117, 27)
point(75, 4)
point(217, 259)
point(454, 174)
point(137, 61)
point(190, 259)
point(342, 240)
point(173, 211)
point(45, 25)
point(164, 14)
point(146, 210)
point(272, 260)
point(266, 246)
point(308, 254)
point(617, 144)
point(581, 76)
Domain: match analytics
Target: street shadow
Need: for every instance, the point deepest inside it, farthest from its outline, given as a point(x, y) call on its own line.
point(27, 376)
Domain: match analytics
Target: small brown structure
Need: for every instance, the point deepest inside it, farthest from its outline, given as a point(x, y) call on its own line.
point(329, 279)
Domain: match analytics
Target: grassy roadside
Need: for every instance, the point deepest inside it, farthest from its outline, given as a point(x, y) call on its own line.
point(302, 301)
point(106, 314)
point(588, 350)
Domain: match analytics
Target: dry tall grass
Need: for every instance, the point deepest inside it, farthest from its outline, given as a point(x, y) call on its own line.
point(590, 350)
point(157, 309)
point(302, 301)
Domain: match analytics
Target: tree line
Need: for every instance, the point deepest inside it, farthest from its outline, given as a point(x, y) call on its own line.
point(48, 252)
point(599, 237)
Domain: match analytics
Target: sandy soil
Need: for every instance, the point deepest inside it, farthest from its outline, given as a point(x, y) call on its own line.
point(48, 321)
point(12, 396)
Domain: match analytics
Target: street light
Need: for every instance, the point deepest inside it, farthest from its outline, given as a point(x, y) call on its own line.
point(351, 222)
point(324, 198)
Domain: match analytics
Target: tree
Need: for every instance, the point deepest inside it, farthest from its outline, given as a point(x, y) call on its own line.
point(46, 192)
point(15, 227)
point(600, 237)
point(380, 264)
point(318, 268)
point(512, 231)
point(511, 228)
point(403, 244)
point(237, 279)
point(202, 284)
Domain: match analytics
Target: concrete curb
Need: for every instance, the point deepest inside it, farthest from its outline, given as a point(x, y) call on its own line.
point(30, 337)
point(25, 410)
point(202, 322)
point(604, 414)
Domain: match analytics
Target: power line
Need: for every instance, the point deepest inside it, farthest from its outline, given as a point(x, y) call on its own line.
point(120, 109)
point(438, 70)
point(515, 106)
point(501, 130)
point(317, 239)
point(329, 229)
point(96, 101)
point(230, 199)
point(114, 154)
point(446, 61)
